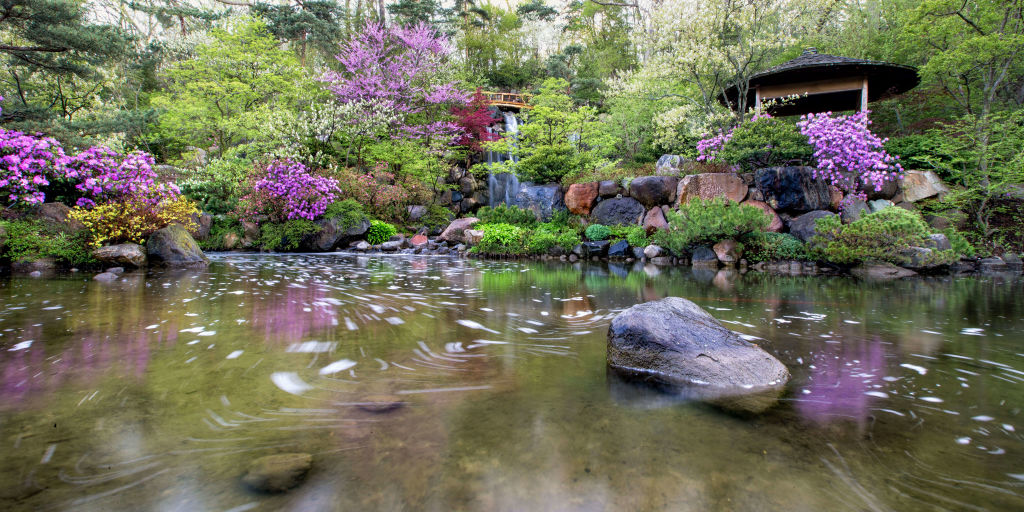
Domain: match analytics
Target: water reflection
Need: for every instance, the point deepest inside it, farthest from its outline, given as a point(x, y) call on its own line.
point(154, 392)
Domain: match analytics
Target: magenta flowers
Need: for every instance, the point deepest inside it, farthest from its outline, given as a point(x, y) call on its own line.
point(849, 156)
point(402, 68)
point(103, 174)
point(28, 163)
point(292, 192)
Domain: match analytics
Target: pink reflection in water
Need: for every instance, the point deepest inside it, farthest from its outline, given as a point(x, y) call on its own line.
point(842, 376)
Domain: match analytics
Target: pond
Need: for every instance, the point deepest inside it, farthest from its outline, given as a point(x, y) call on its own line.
point(155, 392)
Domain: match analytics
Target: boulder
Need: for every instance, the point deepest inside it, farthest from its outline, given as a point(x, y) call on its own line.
point(674, 342)
point(132, 255)
point(174, 247)
point(652, 191)
point(728, 251)
point(854, 211)
point(591, 249)
point(1013, 262)
point(542, 200)
point(391, 245)
point(609, 188)
point(704, 257)
point(653, 251)
point(473, 236)
point(362, 245)
point(804, 226)
point(669, 165)
point(776, 225)
point(617, 211)
point(56, 213)
point(620, 250)
point(3, 239)
point(580, 197)
point(793, 189)
point(881, 271)
point(415, 212)
point(878, 205)
point(918, 185)
point(250, 231)
point(105, 277)
point(419, 240)
point(454, 231)
point(992, 265)
point(836, 200)
point(918, 258)
point(230, 241)
point(277, 473)
point(466, 185)
point(204, 223)
point(939, 242)
point(888, 190)
point(333, 233)
point(710, 186)
point(655, 220)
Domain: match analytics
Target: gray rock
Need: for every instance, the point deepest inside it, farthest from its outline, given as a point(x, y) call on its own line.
point(460, 248)
point(855, 211)
point(992, 265)
point(619, 250)
point(939, 242)
point(132, 255)
point(804, 226)
point(639, 252)
point(889, 190)
point(542, 200)
point(879, 205)
point(618, 211)
point(391, 245)
point(918, 258)
point(115, 270)
point(362, 246)
point(662, 261)
point(105, 277)
point(204, 223)
point(473, 236)
point(704, 257)
point(1013, 262)
point(793, 189)
point(591, 249)
point(669, 165)
point(37, 265)
point(174, 247)
point(652, 191)
point(675, 342)
point(55, 213)
point(881, 271)
point(609, 188)
point(455, 231)
point(416, 212)
point(653, 251)
point(277, 473)
point(333, 234)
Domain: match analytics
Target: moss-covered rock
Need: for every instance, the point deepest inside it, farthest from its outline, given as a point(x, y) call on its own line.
point(174, 247)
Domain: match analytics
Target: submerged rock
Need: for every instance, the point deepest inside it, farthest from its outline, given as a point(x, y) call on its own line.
point(277, 473)
point(881, 271)
point(105, 277)
point(174, 247)
point(674, 342)
point(380, 404)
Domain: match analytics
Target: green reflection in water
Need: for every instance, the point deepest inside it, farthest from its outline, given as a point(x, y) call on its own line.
point(154, 392)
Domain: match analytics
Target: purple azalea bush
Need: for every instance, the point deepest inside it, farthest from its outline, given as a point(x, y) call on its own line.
point(28, 163)
point(849, 156)
point(296, 193)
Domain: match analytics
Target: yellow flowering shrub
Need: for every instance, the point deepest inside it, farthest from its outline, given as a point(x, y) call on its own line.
point(132, 220)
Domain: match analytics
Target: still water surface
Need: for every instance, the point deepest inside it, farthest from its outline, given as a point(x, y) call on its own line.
point(154, 392)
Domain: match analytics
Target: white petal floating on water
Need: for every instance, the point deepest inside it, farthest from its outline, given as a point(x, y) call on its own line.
point(983, 417)
point(350, 325)
point(394, 320)
point(311, 347)
point(21, 346)
point(289, 382)
point(972, 331)
point(919, 369)
point(878, 394)
point(337, 366)
point(474, 325)
point(932, 399)
point(207, 333)
point(963, 440)
point(235, 354)
point(528, 330)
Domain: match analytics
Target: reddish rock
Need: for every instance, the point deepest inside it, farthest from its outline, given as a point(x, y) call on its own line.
point(775, 226)
point(418, 240)
point(655, 220)
point(728, 251)
point(580, 197)
point(710, 186)
point(918, 185)
point(836, 197)
point(454, 231)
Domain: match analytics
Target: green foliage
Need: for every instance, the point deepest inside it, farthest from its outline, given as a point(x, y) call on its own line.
point(501, 238)
point(959, 243)
point(215, 187)
point(349, 213)
point(503, 214)
point(597, 232)
point(29, 240)
point(437, 216)
point(551, 234)
point(558, 139)
point(881, 236)
point(700, 222)
point(221, 226)
point(285, 236)
point(767, 246)
point(766, 142)
point(637, 236)
point(380, 232)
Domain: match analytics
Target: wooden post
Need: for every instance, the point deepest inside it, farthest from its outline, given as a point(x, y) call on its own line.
point(864, 96)
point(757, 98)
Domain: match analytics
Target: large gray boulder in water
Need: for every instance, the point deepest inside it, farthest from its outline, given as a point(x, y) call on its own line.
point(675, 343)
point(174, 247)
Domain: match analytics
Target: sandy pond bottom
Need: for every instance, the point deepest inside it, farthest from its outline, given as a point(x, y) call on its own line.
point(156, 391)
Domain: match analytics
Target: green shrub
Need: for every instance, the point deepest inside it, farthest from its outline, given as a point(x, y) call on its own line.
point(637, 236)
point(548, 235)
point(880, 236)
point(214, 187)
point(221, 226)
point(961, 245)
point(349, 213)
point(29, 240)
point(503, 214)
point(436, 216)
point(766, 142)
point(285, 236)
point(380, 232)
point(704, 222)
point(501, 238)
point(597, 232)
point(766, 246)
point(569, 239)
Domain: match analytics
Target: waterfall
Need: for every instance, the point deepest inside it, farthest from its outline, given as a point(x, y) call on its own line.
point(502, 187)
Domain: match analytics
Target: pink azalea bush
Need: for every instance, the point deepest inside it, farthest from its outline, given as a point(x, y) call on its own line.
point(849, 156)
point(27, 164)
point(287, 190)
point(105, 175)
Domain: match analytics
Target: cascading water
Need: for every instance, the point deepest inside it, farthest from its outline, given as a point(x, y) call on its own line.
point(504, 186)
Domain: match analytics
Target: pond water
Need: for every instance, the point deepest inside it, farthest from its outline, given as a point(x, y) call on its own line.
point(156, 391)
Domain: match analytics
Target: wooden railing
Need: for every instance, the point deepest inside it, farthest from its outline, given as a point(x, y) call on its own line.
point(507, 99)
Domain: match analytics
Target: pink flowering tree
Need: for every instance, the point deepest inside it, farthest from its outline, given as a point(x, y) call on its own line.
point(848, 155)
point(402, 68)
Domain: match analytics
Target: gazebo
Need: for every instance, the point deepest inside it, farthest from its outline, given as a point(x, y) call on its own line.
point(826, 83)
